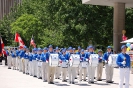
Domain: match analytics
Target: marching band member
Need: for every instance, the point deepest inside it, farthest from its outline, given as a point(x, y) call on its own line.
point(26, 61)
point(131, 59)
point(9, 59)
point(30, 64)
point(79, 49)
point(100, 66)
point(34, 62)
point(44, 57)
point(64, 59)
point(17, 58)
point(108, 68)
point(123, 61)
point(71, 70)
point(39, 63)
point(82, 70)
point(13, 59)
point(91, 69)
point(76, 69)
point(51, 70)
point(58, 68)
point(22, 60)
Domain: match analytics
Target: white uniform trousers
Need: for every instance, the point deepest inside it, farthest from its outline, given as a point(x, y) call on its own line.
point(9, 61)
point(64, 73)
point(44, 71)
point(131, 67)
point(23, 65)
point(14, 63)
point(109, 72)
point(34, 67)
point(72, 74)
point(124, 73)
point(82, 71)
point(91, 73)
point(57, 72)
point(26, 61)
point(30, 68)
point(51, 72)
point(17, 63)
point(20, 64)
point(39, 69)
point(99, 71)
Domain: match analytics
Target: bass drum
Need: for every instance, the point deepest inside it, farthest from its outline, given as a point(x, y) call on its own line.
point(112, 60)
point(93, 60)
point(54, 60)
point(74, 60)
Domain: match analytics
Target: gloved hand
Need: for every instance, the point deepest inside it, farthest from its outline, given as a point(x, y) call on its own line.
point(36, 59)
point(124, 62)
point(87, 60)
point(40, 60)
point(106, 62)
point(66, 60)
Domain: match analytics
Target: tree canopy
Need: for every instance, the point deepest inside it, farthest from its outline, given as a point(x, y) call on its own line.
point(62, 23)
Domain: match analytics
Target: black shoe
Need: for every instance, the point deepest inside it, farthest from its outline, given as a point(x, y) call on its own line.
point(75, 77)
point(40, 78)
point(23, 72)
point(51, 82)
point(44, 80)
point(84, 79)
point(110, 81)
point(73, 83)
point(94, 77)
point(9, 68)
point(58, 78)
point(64, 81)
point(34, 76)
point(92, 82)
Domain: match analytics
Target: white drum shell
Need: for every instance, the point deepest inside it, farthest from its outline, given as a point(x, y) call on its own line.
point(74, 60)
point(84, 64)
point(39, 64)
point(93, 59)
point(112, 60)
point(64, 64)
point(54, 60)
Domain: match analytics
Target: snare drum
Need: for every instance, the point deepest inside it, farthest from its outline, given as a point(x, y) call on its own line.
point(64, 64)
point(54, 60)
point(84, 64)
point(112, 59)
point(74, 60)
point(93, 59)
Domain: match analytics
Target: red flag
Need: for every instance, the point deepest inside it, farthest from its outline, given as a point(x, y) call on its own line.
point(18, 39)
point(32, 42)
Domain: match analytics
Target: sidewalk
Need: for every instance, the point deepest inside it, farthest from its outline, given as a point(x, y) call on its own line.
point(14, 79)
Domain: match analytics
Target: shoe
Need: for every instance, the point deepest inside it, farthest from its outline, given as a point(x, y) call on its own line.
point(9, 68)
point(44, 80)
point(58, 78)
point(34, 76)
point(84, 79)
point(64, 81)
point(110, 81)
point(73, 83)
point(75, 77)
point(92, 82)
point(107, 81)
point(51, 82)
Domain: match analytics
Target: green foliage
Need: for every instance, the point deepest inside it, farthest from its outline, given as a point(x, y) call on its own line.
point(62, 23)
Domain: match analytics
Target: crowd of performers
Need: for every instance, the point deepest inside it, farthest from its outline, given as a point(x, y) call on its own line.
point(36, 64)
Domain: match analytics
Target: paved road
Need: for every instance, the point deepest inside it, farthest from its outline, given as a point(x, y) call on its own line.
point(14, 79)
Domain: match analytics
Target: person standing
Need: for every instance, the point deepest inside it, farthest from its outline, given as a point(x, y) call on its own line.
point(100, 66)
point(13, 54)
point(26, 61)
point(91, 68)
point(108, 68)
point(44, 57)
point(51, 70)
point(123, 61)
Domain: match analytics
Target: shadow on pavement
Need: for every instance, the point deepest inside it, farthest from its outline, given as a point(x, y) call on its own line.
point(61, 84)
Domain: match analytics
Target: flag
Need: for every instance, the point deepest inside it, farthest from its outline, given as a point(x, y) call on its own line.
point(1, 45)
point(32, 42)
point(16, 37)
point(19, 40)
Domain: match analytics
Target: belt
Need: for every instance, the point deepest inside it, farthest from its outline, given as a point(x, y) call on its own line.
point(124, 67)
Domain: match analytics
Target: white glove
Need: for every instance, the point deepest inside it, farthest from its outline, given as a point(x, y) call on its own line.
point(66, 60)
point(124, 62)
point(106, 61)
point(86, 59)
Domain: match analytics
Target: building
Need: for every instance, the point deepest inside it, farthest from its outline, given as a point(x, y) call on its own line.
point(6, 5)
point(118, 19)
